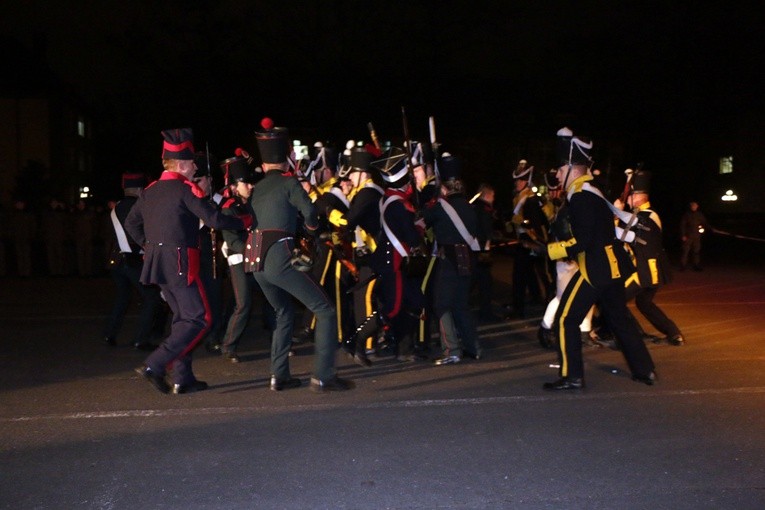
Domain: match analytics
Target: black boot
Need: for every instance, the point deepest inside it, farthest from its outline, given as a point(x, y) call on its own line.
point(547, 338)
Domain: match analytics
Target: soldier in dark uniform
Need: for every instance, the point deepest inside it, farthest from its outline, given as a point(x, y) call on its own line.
point(455, 225)
point(125, 266)
point(317, 178)
point(277, 199)
point(603, 266)
point(239, 177)
point(427, 189)
point(363, 222)
point(165, 221)
point(336, 251)
point(400, 258)
point(653, 269)
point(531, 225)
point(564, 270)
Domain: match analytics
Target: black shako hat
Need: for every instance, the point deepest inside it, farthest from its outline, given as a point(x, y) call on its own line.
point(641, 181)
point(178, 144)
point(235, 170)
point(449, 167)
point(360, 159)
point(273, 142)
point(392, 167)
point(572, 150)
point(134, 180)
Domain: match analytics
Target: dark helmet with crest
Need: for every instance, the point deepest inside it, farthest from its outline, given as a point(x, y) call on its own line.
point(392, 167)
point(572, 150)
point(523, 171)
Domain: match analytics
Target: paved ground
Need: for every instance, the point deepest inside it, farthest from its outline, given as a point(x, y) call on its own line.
point(79, 430)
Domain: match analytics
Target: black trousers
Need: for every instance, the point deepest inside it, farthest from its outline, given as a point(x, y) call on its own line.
point(575, 302)
point(644, 302)
point(364, 305)
point(402, 303)
point(281, 283)
point(191, 321)
point(242, 284)
point(529, 272)
point(126, 278)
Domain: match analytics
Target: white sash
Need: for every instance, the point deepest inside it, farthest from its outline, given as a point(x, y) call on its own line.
point(339, 194)
point(384, 203)
point(120, 231)
point(460, 225)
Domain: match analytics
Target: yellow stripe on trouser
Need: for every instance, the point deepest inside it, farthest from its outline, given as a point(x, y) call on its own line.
point(613, 262)
point(369, 309)
point(339, 301)
point(321, 282)
point(654, 271)
point(562, 327)
point(424, 286)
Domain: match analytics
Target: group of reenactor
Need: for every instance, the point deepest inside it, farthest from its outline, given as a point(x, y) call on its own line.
point(377, 243)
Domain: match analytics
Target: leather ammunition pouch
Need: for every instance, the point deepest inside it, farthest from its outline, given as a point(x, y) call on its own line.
point(460, 255)
point(258, 244)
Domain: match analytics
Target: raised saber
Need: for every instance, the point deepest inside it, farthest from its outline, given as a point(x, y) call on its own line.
point(408, 145)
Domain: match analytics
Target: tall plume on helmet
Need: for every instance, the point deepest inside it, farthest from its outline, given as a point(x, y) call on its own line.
point(571, 150)
point(345, 161)
point(318, 162)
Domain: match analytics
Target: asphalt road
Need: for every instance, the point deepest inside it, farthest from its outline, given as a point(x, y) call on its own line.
point(78, 429)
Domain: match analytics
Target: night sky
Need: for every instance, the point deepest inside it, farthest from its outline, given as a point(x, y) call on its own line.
point(666, 78)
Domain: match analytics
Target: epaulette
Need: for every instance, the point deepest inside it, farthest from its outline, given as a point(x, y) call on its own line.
point(577, 185)
point(428, 181)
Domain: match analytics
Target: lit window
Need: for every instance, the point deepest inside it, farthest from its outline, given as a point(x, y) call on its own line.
point(81, 128)
point(726, 165)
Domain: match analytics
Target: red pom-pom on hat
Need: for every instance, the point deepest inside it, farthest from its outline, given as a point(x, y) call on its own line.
point(238, 152)
point(374, 151)
point(267, 123)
